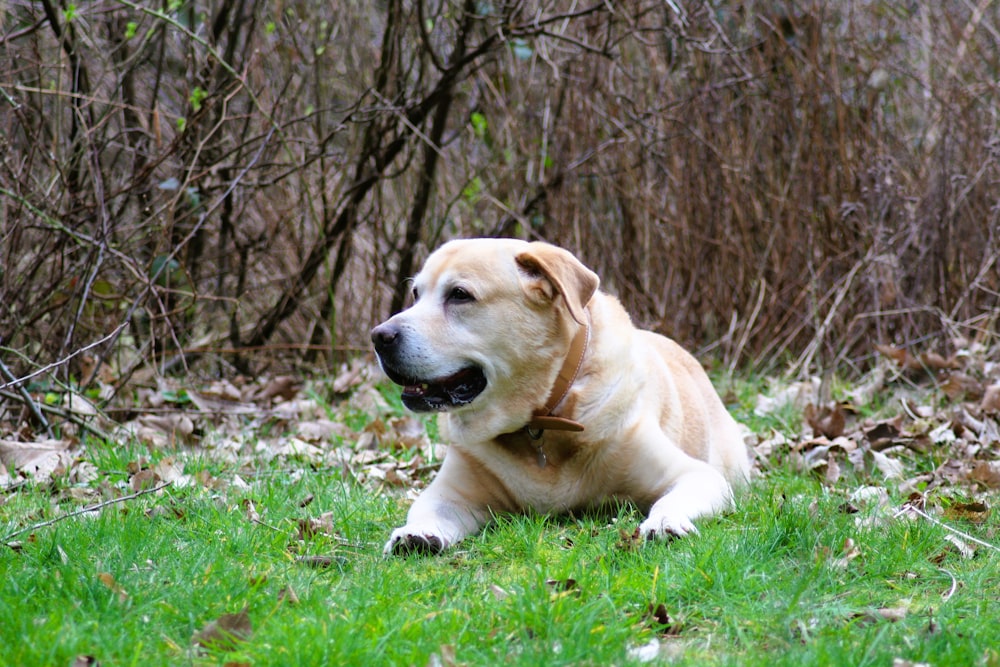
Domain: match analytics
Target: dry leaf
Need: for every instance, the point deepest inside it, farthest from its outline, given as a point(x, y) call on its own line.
point(891, 468)
point(445, 659)
point(323, 429)
point(225, 632)
point(658, 617)
point(890, 614)
point(79, 405)
point(797, 395)
point(561, 584)
point(986, 473)
point(498, 593)
point(108, 580)
point(972, 512)
point(962, 386)
point(284, 387)
point(826, 421)
point(171, 471)
point(288, 596)
point(849, 551)
point(221, 404)
point(991, 399)
point(943, 434)
point(884, 434)
point(250, 510)
point(630, 541)
point(963, 547)
point(408, 431)
point(323, 524)
point(563, 588)
point(352, 377)
point(89, 367)
point(39, 460)
point(897, 354)
point(175, 425)
point(316, 562)
point(144, 479)
point(221, 389)
point(929, 362)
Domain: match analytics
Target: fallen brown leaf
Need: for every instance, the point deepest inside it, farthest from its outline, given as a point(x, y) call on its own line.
point(353, 376)
point(144, 479)
point(884, 434)
point(658, 617)
point(629, 541)
point(284, 387)
point(987, 474)
point(890, 614)
point(962, 386)
point(446, 657)
point(321, 525)
point(991, 399)
point(498, 593)
point(108, 580)
point(408, 431)
point(175, 425)
point(826, 420)
point(972, 512)
point(561, 584)
point(316, 562)
point(225, 632)
point(288, 596)
point(849, 551)
point(38, 460)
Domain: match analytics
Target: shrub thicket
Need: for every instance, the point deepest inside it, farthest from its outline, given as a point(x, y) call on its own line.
point(256, 179)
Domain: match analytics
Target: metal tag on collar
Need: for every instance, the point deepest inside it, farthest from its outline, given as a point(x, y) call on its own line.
point(535, 435)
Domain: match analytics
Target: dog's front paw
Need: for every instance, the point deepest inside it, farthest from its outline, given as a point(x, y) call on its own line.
point(665, 525)
point(407, 541)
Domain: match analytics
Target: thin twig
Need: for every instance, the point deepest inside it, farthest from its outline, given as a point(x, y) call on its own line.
point(925, 515)
point(23, 396)
point(65, 414)
point(67, 358)
point(85, 510)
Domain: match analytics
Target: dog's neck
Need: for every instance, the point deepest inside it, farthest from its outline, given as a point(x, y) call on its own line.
point(543, 419)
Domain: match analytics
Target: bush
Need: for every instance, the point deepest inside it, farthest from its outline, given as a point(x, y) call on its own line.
point(256, 180)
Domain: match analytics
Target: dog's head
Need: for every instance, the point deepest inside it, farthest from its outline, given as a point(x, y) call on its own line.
point(489, 326)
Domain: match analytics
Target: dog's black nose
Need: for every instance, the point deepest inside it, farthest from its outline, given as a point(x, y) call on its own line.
point(384, 337)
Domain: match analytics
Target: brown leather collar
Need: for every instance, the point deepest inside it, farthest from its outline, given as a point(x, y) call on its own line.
point(542, 419)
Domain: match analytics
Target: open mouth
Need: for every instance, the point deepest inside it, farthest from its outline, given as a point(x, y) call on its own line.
point(458, 389)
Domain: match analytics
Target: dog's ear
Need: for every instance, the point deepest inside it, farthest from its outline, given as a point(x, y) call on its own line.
point(551, 270)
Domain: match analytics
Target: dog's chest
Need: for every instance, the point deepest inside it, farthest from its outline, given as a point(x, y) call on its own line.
point(550, 474)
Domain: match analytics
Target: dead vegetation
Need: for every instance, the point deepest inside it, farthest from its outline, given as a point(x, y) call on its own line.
point(239, 186)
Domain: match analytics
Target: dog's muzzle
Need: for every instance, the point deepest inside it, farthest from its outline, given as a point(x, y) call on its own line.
point(424, 394)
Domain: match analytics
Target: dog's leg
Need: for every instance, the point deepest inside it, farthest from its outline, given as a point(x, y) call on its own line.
point(440, 516)
point(701, 491)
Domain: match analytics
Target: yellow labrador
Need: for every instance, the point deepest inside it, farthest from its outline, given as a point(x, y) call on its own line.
point(552, 399)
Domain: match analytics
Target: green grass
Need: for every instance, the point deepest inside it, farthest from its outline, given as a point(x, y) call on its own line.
point(760, 586)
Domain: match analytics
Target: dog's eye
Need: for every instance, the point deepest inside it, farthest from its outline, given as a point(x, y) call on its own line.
point(414, 294)
point(459, 295)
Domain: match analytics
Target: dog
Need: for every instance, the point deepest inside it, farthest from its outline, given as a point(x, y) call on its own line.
point(551, 400)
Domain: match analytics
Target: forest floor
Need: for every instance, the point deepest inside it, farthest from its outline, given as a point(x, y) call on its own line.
point(240, 523)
